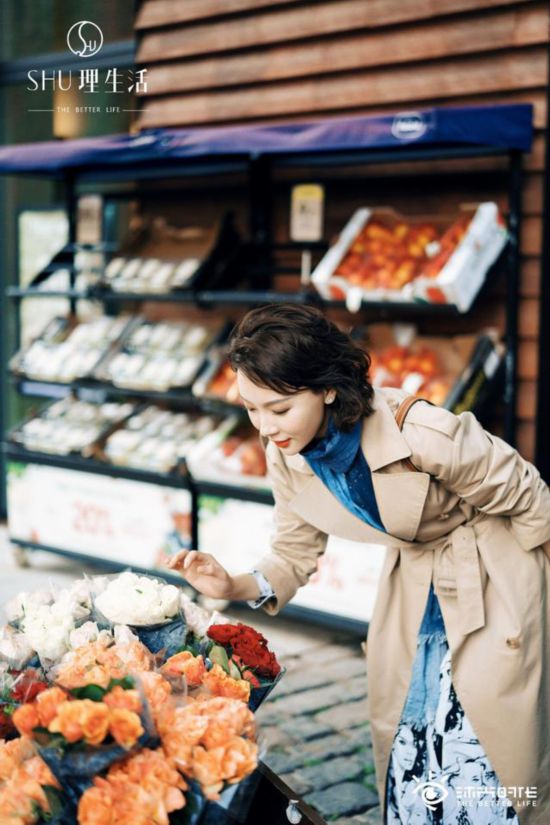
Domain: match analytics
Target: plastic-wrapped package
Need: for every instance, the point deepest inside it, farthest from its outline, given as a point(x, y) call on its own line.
point(149, 606)
point(46, 619)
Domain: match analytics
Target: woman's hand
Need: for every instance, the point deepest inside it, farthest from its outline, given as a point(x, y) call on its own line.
point(204, 573)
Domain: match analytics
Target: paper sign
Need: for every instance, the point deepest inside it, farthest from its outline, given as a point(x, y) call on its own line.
point(130, 522)
point(306, 214)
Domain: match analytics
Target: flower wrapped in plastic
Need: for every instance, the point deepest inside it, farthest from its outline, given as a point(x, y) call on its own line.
point(202, 676)
point(82, 732)
point(135, 722)
point(149, 606)
point(29, 792)
point(233, 660)
point(105, 658)
point(240, 649)
point(15, 650)
point(211, 741)
point(142, 789)
point(47, 618)
point(16, 688)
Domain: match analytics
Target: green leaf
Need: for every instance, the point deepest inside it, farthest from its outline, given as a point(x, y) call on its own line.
point(36, 811)
point(219, 657)
point(126, 683)
point(54, 800)
point(47, 739)
point(93, 692)
point(9, 708)
point(192, 644)
point(234, 671)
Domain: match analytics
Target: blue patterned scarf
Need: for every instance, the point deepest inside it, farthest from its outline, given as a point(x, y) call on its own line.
point(338, 460)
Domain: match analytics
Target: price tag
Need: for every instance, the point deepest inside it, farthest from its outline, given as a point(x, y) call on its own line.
point(306, 214)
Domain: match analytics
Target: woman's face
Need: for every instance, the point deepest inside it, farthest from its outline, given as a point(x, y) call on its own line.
point(290, 421)
point(472, 774)
point(405, 749)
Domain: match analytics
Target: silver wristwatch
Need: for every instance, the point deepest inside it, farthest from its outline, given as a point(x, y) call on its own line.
point(266, 591)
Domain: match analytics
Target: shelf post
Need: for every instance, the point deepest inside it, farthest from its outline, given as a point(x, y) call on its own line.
point(71, 205)
point(195, 503)
point(542, 431)
point(512, 292)
point(259, 182)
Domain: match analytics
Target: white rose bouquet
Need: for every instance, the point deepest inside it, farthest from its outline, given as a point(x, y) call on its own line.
point(45, 619)
point(150, 606)
point(138, 600)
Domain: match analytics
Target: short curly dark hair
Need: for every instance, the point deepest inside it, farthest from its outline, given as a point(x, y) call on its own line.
point(290, 348)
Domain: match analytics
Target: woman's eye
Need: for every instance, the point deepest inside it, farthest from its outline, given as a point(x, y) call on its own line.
point(279, 412)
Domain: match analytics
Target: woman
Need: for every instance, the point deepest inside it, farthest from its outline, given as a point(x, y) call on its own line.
point(458, 642)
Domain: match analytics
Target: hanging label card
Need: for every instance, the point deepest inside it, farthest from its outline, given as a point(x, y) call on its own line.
point(307, 212)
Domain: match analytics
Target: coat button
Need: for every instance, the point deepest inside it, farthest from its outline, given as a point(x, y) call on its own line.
point(513, 642)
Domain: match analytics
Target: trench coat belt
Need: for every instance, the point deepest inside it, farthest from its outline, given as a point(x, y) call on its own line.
point(463, 580)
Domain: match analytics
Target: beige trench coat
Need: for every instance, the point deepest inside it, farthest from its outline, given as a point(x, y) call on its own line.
point(473, 522)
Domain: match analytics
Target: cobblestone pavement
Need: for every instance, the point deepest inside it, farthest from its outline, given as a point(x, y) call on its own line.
point(317, 732)
point(314, 724)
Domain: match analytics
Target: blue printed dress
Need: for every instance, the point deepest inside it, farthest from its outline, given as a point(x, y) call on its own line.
point(439, 773)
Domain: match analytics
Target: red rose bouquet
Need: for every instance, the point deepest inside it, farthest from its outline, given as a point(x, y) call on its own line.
point(248, 645)
point(16, 688)
point(245, 650)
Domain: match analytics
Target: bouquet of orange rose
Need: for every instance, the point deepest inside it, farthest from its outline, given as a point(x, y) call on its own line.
point(117, 732)
point(29, 792)
point(81, 732)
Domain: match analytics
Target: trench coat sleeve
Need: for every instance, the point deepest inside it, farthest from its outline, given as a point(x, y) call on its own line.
point(295, 546)
point(481, 469)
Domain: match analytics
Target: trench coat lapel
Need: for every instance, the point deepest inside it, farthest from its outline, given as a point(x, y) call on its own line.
point(400, 495)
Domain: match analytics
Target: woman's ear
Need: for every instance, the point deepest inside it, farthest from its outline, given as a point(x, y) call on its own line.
point(330, 395)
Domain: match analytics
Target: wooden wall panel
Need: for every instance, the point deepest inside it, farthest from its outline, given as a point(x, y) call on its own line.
point(446, 78)
point(527, 397)
point(157, 13)
point(525, 438)
point(221, 62)
point(283, 26)
point(501, 30)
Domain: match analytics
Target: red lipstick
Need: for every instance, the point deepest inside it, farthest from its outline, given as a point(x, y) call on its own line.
point(282, 443)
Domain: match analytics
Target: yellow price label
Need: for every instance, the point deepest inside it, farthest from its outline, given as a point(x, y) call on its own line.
point(307, 212)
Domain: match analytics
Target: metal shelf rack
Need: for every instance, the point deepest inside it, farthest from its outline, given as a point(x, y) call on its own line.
point(257, 151)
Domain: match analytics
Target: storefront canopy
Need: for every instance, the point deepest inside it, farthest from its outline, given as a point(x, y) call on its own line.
point(499, 127)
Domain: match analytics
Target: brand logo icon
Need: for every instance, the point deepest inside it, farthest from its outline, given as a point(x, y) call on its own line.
point(85, 38)
point(431, 793)
point(408, 126)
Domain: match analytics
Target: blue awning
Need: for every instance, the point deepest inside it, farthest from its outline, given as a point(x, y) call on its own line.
point(501, 127)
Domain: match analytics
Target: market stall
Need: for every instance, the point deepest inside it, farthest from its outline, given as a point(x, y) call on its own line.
point(164, 430)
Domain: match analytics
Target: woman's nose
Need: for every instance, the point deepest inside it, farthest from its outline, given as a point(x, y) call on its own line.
point(268, 427)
